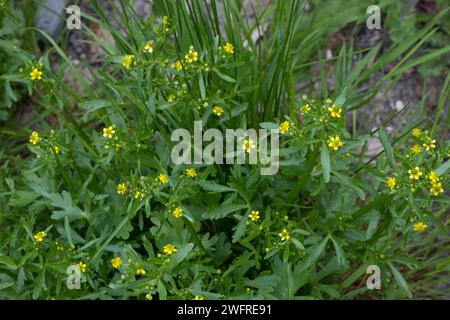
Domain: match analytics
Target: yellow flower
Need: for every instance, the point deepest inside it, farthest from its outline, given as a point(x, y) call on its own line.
point(284, 235)
point(55, 150)
point(433, 177)
point(229, 48)
point(121, 188)
point(40, 236)
point(149, 47)
point(82, 266)
point(197, 297)
point(335, 111)
point(190, 172)
point(191, 56)
point(116, 262)
point(140, 272)
point(430, 145)
point(248, 145)
point(127, 61)
point(35, 74)
point(391, 183)
point(416, 132)
point(34, 137)
point(414, 174)
point(420, 226)
point(254, 216)
point(284, 127)
point(165, 20)
point(170, 98)
point(163, 178)
point(335, 143)
point(218, 111)
point(305, 109)
point(416, 149)
point(177, 212)
point(177, 65)
point(436, 189)
point(138, 195)
point(109, 132)
point(148, 296)
point(169, 249)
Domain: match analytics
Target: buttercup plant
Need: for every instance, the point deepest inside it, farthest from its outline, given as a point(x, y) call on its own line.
point(138, 186)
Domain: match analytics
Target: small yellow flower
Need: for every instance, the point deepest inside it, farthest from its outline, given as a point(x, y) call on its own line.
point(121, 188)
point(162, 178)
point(284, 235)
point(391, 183)
point(190, 172)
point(335, 111)
point(35, 74)
point(171, 98)
point(34, 137)
point(169, 249)
point(197, 297)
point(127, 61)
point(109, 132)
point(40, 236)
point(177, 65)
point(414, 174)
point(149, 47)
point(218, 111)
point(430, 145)
point(248, 145)
point(335, 143)
point(416, 149)
point(148, 296)
point(165, 20)
point(82, 266)
point(138, 195)
point(416, 133)
point(228, 48)
point(55, 150)
point(116, 262)
point(436, 189)
point(140, 272)
point(177, 212)
point(191, 56)
point(420, 226)
point(433, 176)
point(305, 109)
point(284, 127)
point(254, 216)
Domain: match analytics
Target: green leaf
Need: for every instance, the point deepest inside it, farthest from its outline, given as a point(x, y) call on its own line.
point(386, 145)
point(93, 105)
point(214, 187)
point(340, 254)
point(325, 161)
point(266, 283)
point(181, 254)
point(400, 280)
point(201, 84)
point(223, 210)
point(315, 253)
point(9, 262)
point(443, 168)
point(224, 76)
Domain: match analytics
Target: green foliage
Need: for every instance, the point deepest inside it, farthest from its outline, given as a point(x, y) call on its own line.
point(99, 190)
